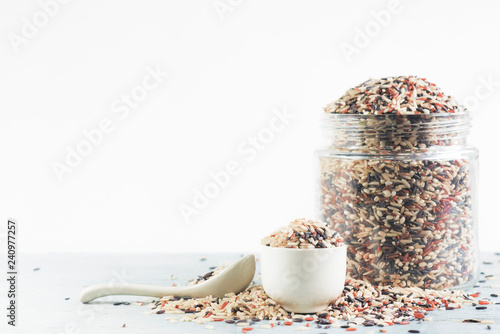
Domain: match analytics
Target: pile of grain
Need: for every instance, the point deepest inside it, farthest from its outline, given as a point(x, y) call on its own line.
point(360, 303)
point(305, 234)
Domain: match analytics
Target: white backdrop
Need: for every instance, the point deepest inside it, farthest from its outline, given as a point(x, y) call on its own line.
point(157, 97)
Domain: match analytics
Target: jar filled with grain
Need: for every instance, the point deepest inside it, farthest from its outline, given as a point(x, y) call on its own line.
point(399, 182)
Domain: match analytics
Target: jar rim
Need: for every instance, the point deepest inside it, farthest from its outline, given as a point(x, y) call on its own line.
point(432, 122)
point(396, 131)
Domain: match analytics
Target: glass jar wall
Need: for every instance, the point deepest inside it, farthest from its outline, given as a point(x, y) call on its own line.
point(401, 189)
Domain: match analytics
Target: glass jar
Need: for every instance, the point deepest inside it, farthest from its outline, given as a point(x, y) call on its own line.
point(402, 190)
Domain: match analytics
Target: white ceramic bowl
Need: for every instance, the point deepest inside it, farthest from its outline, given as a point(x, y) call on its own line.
point(303, 280)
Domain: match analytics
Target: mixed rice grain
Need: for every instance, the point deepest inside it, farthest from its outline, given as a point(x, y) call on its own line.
point(395, 187)
point(360, 303)
point(402, 95)
point(207, 276)
point(304, 234)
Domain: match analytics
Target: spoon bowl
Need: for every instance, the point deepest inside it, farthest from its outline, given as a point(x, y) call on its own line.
point(235, 278)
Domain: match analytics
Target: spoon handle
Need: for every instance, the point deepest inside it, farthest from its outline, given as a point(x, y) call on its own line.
point(101, 290)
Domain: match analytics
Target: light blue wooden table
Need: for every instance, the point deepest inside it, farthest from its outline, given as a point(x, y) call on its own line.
point(49, 286)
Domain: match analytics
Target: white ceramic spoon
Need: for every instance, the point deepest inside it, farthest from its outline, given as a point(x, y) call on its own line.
point(235, 278)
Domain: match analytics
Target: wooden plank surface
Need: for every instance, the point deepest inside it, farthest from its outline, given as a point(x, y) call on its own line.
point(50, 284)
